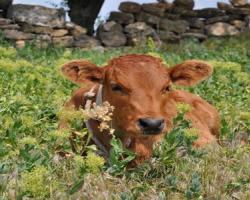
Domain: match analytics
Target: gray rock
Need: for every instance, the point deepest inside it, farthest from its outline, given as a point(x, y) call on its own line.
point(110, 26)
point(209, 12)
point(4, 21)
point(139, 27)
point(224, 6)
point(59, 32)
point(17, 35)
point(178, 26)
point(37, 15)
point(42, 41)
point(196, 23)
point(121, 18)
point(113, 39)
point(86, 42)
point(78, 31)
point(247, 20)
point(221, 29)
point(98, 48)
point(36, 29)
point(239, 11)
point(65, 41)
point(172, 16)
point(218, 19)
point(235, 17)
point(148, 18)
point(105, 32)
point(238, 24)
point(69, 25)
point(167, 36)
point(44, 37)
point(130, 7)
point(199, 36)
point(10, 26)
point(157, 9)
point(195, 30)
point(239, 3)
point(184, 13)
point(186, 4)
point(138, 33)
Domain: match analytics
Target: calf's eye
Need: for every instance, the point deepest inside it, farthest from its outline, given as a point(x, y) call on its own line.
point(166, 89)
point(116, 88)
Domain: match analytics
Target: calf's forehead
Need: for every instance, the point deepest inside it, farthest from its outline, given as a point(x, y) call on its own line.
point(138, 69)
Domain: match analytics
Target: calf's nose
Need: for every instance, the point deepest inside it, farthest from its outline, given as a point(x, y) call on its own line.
point(151, 126)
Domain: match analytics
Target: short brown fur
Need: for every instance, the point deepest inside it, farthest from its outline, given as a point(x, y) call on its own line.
point(145, 83)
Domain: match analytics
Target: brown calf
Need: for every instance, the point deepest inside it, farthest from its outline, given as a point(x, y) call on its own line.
point(139, 87)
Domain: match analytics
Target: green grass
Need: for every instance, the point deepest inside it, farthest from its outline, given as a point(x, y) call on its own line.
point(32, 93)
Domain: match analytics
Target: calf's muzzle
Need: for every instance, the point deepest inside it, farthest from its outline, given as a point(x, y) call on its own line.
point(151, 126)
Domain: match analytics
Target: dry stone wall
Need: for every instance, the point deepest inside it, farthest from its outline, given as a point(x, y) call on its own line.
point(132, 25)
point(171, 22)
point(42, 26)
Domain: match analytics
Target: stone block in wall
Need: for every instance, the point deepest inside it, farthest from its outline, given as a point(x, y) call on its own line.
point(65, 41)
point(213, 20)
point(167, 36)
point(148, 18)
point(42, 40)
point(44, 37)
point(78, 31)
point(239, 3)
point(224, 6)
point(86, 42)
point(195, 30)
point(209, 12)
point(184, 13)
point(110, 26)
point(69, 25)
point(36, 29)
point(138, 32)
point(201, 37)
point(37, 15)
point(236, 17)
point(196, 23)
point(17, 35)
point(221, 29)
point(121, 18)
point(130, 7)
point(111, 34)
point(239, 24)
point(172, 16)
point(178, 26)
point(247, 20)
point(185, 4)
point(138, 27)
point(4, 21)
point(113, 39)
point(10, 26)
point(239, 11)
point(157, 9)
point(59, 32)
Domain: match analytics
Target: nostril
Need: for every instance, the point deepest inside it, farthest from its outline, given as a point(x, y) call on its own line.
point(143, 123)
point(151, 123)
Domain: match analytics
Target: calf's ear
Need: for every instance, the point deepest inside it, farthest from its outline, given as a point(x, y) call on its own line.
point(190, 72)
point(82, 72)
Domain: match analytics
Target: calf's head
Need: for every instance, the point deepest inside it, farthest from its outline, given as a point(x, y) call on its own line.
point(139, 87)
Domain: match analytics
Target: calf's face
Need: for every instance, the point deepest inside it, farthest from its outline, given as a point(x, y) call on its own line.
point(139, 87)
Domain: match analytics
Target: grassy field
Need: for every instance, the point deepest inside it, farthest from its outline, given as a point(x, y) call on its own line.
point(32, 94)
